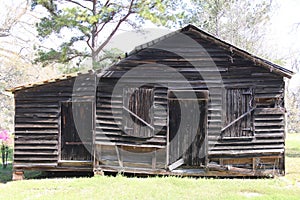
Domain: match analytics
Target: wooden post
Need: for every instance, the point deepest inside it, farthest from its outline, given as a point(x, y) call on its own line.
point(119, 155)
point(254, 164)
point(18, 175)
point(221, 161)
point(154, 159)
point(98, 172)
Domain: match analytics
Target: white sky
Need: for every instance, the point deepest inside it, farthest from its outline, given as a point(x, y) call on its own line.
point(284, 36)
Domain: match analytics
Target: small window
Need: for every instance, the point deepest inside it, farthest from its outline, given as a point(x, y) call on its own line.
point(138, 111)
point(238, 121)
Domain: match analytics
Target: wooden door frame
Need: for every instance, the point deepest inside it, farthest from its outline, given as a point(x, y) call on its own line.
point(206, 98)
point(60, 126)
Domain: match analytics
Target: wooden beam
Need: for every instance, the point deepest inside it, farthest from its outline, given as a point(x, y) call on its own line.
point(135, 115)
point(237, 119)
point(119, 156)
point(176, 164)
point(154, 159)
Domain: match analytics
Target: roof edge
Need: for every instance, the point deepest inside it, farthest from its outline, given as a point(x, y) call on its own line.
point(257, 60)
point(39, 83)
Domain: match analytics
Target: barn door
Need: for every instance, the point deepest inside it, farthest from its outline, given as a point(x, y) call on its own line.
point(187, 127)
point(76, 130)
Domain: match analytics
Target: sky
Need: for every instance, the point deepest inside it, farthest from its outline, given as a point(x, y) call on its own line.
point(284, 36)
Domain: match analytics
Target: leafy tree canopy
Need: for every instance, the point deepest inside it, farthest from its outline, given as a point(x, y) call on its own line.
point(93, 23)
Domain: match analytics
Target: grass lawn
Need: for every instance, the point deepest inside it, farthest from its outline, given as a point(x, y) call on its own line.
point(121, 187)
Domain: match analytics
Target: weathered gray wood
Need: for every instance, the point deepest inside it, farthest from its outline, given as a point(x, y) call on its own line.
point(226, 72)
point(144, 122)
point(176, 164)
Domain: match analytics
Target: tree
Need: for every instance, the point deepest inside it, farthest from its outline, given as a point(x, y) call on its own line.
point(16, 42)
point(293, 101)
point(9, 19)
point(88, 22)
point(240, 22)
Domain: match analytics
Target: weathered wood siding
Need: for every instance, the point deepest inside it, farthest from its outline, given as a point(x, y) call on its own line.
point(242, 112)
point(264, 127)
point(38, 121)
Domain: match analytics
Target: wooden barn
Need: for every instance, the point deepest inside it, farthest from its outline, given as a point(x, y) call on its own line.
point(187, 103)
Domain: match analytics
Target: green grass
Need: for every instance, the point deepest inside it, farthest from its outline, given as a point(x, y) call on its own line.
point(120, 187)
point(149, 188)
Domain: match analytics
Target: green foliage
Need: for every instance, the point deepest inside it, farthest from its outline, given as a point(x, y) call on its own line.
point(89, 22)
point(241, 22)
point(109, 57)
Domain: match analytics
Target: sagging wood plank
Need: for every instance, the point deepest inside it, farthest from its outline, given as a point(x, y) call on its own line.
point(78, 143)
point(238, 170)
point(129, 144)
point(269, 111)
point(32, 165)
point(129, 139)
point(176, 164)
point(216, 140)
point(249, 147)
point(246, 152)
point(75, 163)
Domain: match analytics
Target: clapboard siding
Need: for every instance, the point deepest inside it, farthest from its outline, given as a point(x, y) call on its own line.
point(240, 96)
point(209, 68)
point(109, 116)
point(37, 120)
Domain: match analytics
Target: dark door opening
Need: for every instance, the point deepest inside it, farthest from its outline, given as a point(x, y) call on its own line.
point(76, 131)
point(187, 126)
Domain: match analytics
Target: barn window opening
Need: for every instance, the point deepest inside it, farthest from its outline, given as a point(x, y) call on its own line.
point(239, 109)
point(138, 111)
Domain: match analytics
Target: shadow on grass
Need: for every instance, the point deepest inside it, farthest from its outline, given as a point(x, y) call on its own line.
point(293, 155)
point(6, 174)
point(293, 152)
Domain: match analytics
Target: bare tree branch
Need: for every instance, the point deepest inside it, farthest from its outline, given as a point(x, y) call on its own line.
point(79, 4)
point(116, 28)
